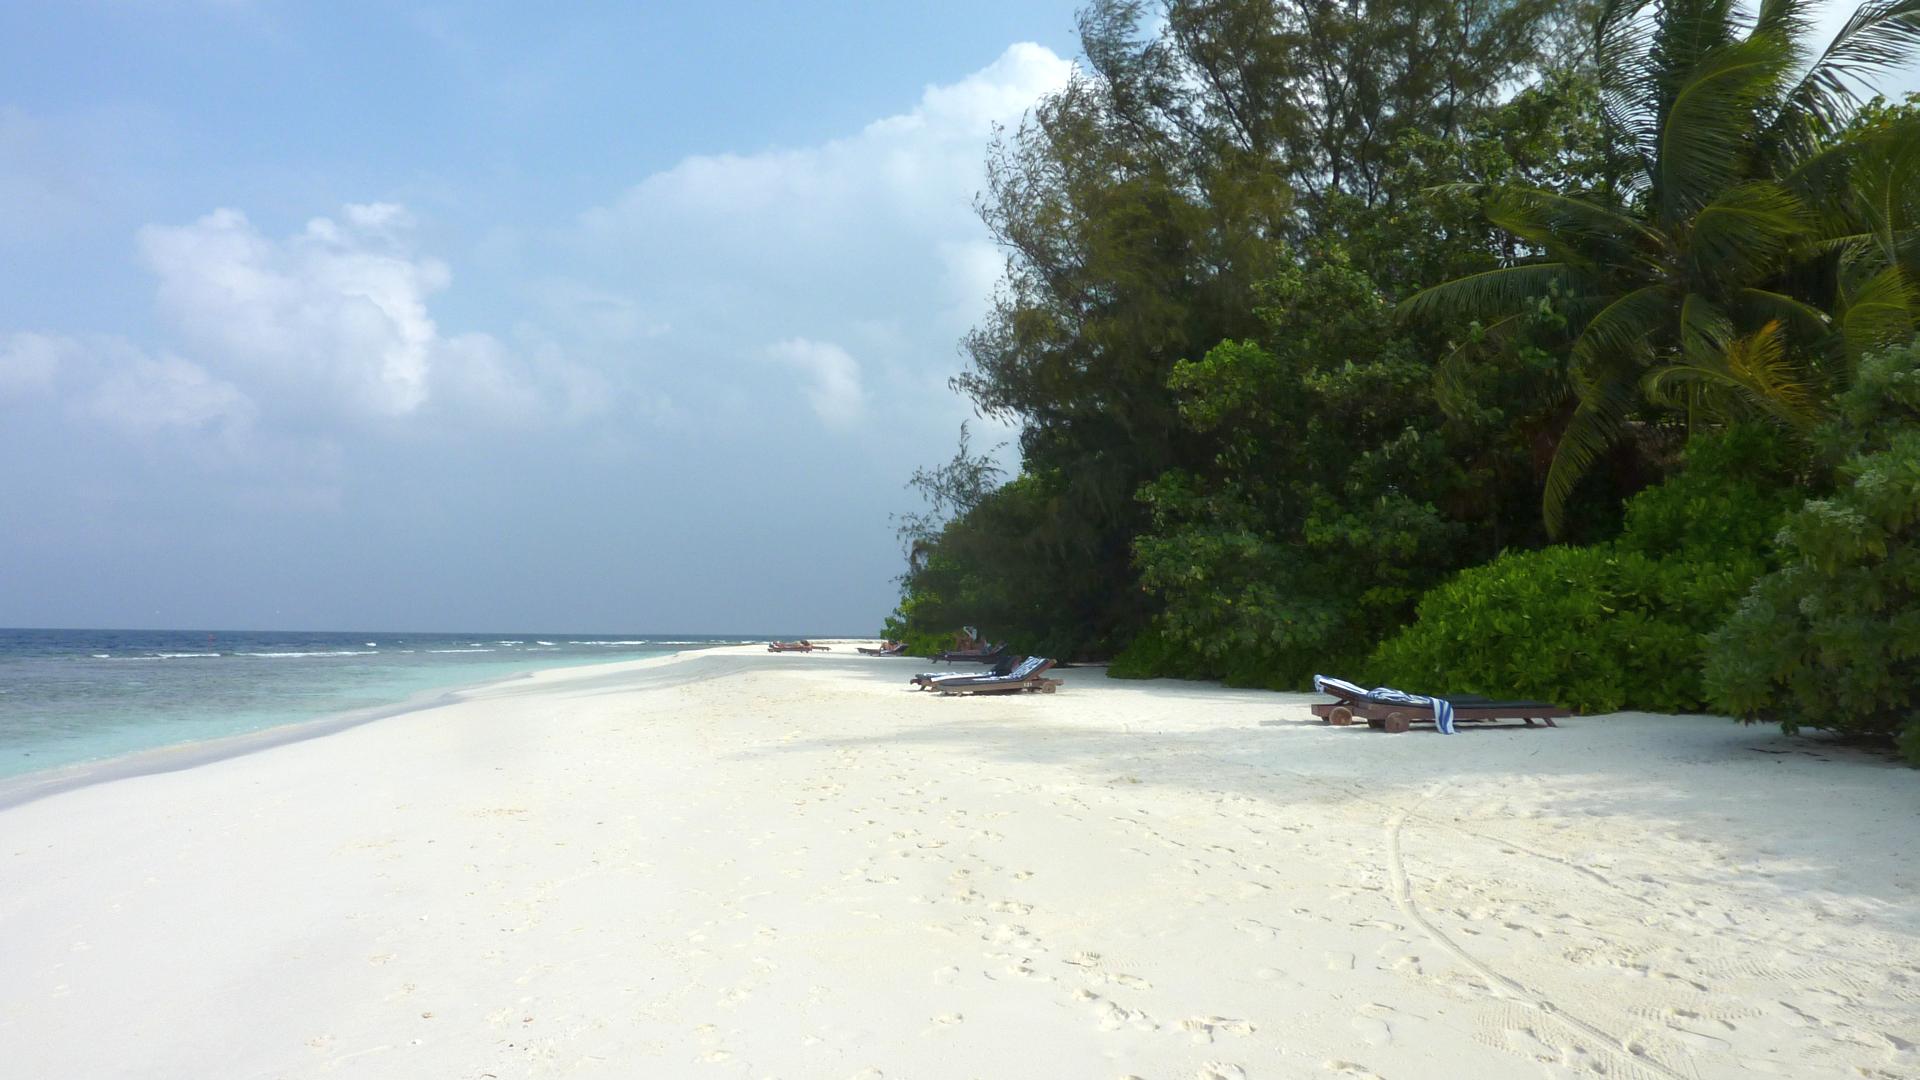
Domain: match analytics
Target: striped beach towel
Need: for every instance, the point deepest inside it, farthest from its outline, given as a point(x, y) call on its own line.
point(1383, 695)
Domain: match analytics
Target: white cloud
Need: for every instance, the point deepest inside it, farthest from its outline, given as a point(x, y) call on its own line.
point(832, 378)
point(335, 322)
point(865, 237)
point(116, 382)
point(923, 167)
point(290, 361)
point(29, 363)
point(144, 395)
point(167, 408)
point(340, 308)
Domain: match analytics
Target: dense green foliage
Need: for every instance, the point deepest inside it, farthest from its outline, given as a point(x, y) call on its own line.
point(1282, 553)
point(1832, 638)
point(1321, 320)
point(1750, 242)
point(1144, 206)
point(1614, 625)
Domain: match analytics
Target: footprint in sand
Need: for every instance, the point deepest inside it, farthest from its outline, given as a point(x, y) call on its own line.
point(1372, 1030)
point(1220, 1070)
point(1201, 1028)
point(1113, 1017)
point(1131, 982)
point(1258, 930)
point(1024, 968)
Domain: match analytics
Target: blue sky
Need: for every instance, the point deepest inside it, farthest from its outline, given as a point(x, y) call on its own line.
point(378, 315)
point(590, 317)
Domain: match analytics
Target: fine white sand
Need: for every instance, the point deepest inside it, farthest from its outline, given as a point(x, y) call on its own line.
point(734, 864)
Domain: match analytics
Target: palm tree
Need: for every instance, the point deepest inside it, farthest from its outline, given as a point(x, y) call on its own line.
point(1759, 235)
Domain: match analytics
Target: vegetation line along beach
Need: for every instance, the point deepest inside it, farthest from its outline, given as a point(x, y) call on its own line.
point(1529, 350)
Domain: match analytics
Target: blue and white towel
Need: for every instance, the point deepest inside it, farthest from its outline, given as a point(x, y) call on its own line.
point(1382, 695)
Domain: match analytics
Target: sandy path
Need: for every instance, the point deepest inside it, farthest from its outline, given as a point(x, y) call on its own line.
point(741, 865)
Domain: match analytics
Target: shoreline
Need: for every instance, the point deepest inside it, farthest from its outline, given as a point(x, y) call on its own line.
point(22, 788)
point(731, 863)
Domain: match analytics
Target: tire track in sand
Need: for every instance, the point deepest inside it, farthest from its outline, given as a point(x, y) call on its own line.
point(1502, 986)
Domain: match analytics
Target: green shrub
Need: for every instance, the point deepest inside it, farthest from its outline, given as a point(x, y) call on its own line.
point(1615, 625)
point(1832, 639)
point(1593, 628)
point(1153, 655)
point(1728, 500)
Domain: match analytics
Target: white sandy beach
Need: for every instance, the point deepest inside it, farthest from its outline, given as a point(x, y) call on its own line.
point(734, 864)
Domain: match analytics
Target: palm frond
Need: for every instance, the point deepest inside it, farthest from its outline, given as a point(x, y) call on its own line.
point(1710, 121)
point(1796, 314)
point(1489, 293)
point(1450, 390)
point(1688, 31)
point(1885, 181)
point(1591, 431)
point(1744, 235)
point(1851, 246)
point(1789, 18)
point(1788, 136)
point(1879, 311)
point(1761, 363)
point(1881, 34)
point(1623, 39)
point(1575, 215)
point(1705, 330)
point(1752, 375)
point(1623, 328)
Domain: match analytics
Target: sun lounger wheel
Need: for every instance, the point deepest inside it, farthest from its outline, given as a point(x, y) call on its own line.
point(1396, 723)
point(1341, 716)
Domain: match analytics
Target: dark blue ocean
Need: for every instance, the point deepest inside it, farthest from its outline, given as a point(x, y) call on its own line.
point(70, 696)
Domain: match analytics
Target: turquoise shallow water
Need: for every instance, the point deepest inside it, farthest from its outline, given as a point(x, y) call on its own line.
point(72, 696)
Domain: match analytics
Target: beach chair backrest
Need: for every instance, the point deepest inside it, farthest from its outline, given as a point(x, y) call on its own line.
point(1026, 668)
point(1339, 688)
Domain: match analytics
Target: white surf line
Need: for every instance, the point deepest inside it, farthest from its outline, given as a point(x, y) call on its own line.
point(1503, 987)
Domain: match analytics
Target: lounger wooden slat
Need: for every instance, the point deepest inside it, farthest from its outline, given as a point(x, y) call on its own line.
point(989, 655)
point(1398, 717)
point(928, 680)
point(1027, 676)
point(1036, 684)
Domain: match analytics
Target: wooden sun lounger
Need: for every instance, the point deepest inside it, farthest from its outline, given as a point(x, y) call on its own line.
point(1013, 682)
point(929, 680)
point(895, 650)
point(1044, 686)
point(796, 646)
point(973, 656)
point(1467, 708)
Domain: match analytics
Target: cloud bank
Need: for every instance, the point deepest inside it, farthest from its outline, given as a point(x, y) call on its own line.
point(341, 413)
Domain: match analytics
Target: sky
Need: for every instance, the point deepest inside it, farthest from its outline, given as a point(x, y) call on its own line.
point(479, 316)
point(613, 317)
